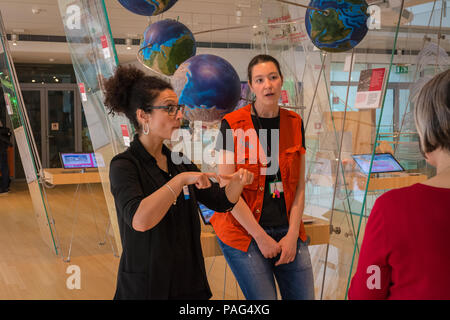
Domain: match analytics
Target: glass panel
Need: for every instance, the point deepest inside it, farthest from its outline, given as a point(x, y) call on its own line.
point(2, 112)
point(86, 144)
point(25, 143)
point(387, 122)
point(94, 58)
point(337, 97)
point(61, 125)
point(32, 100)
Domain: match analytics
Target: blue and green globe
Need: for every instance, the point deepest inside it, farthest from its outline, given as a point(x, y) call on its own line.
point(147, 7)
point(341, 29)
point(208, 86)
point(166, 44)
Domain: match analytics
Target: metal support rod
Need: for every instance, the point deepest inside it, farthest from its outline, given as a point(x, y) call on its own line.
point(337, 171)
point(303, 6)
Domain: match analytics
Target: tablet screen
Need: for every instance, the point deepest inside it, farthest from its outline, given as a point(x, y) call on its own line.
point(205, 213)
point(382, 162)
point(78, 160)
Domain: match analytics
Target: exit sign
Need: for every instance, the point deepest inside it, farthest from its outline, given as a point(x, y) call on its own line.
point(401, 69)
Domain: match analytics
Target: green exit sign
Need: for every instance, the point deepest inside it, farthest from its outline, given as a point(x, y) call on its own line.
point(401, 69)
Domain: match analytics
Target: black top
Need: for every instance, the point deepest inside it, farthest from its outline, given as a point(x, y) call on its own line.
point(5, 139)
point(273, 212)
point(165, 262)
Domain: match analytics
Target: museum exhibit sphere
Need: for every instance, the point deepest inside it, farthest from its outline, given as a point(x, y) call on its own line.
point(147, 8)
point(208, 85)
point(340, 28)
point(166, 44)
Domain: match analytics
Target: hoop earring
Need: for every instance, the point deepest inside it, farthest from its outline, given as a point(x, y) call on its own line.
point(146, 130)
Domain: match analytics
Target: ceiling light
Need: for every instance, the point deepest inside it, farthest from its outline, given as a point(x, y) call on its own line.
point(14, 39)
point(128, 43)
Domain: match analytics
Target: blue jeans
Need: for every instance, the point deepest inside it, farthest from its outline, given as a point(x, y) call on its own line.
point(255, 274)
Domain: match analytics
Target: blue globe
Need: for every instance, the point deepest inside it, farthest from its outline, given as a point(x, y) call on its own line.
point(341, 29)
point(209, 87)
point(166, 45)
point(147, 7)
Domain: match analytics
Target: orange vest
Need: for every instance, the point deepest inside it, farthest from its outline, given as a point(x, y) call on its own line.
point(246, 155)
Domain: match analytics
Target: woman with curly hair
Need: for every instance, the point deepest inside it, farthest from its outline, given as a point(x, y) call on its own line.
point(159, 225)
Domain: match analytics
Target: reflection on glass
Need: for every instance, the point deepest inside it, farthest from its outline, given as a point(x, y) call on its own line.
point(32, 100)
point(61, 125)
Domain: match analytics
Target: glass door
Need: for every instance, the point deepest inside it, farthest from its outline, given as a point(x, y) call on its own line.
point(55, 117)
point(61, 125)
point(33, 99)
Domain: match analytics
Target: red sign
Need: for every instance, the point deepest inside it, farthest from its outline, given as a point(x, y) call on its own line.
point(376, 82)
point(125, 134)
point(82, 92)
point(124, 128)
point(335, 100)
point(104, 42)
point(284, 96)
point(82, 89)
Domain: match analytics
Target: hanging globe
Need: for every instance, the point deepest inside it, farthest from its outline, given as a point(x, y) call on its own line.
point(341, 28)
point(208, 86)
point(166, 44)
point(147, 8)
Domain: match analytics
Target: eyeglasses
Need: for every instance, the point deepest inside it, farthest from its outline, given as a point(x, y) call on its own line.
point(171, 110)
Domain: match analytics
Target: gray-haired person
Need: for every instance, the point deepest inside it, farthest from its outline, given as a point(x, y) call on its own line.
point(404, 254)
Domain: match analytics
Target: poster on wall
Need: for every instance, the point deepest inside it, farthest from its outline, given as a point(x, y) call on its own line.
point(282, 30)
point(370, 88)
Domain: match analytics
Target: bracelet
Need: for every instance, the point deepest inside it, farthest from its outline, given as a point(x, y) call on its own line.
point(174, 194)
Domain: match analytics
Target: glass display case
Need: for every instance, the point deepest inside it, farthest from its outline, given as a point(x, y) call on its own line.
point(356, 101)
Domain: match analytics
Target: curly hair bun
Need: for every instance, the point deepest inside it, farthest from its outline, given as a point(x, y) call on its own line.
point(119, 88)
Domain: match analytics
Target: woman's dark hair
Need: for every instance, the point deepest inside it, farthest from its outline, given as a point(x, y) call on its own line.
point(260, 59)
point(130, 89)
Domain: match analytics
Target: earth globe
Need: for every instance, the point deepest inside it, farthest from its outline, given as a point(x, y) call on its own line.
point(208, 86)
point(166, 44)
point(147, 8)
point(340, 28)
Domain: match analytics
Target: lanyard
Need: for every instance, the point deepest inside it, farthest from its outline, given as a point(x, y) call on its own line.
point(267, 142)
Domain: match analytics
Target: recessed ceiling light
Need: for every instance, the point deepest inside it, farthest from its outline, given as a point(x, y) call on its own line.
point(51, 59)
point(14, 39)
point(128, 43)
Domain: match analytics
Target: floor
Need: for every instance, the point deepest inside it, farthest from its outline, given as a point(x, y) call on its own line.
point(29, 269)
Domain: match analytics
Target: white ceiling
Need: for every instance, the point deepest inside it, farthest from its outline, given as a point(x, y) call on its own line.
point(198, 15)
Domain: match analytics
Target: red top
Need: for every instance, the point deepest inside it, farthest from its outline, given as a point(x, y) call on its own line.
point(406, 244)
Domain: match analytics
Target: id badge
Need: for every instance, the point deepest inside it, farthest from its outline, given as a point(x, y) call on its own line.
point(276, 188)
point(186, 192)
